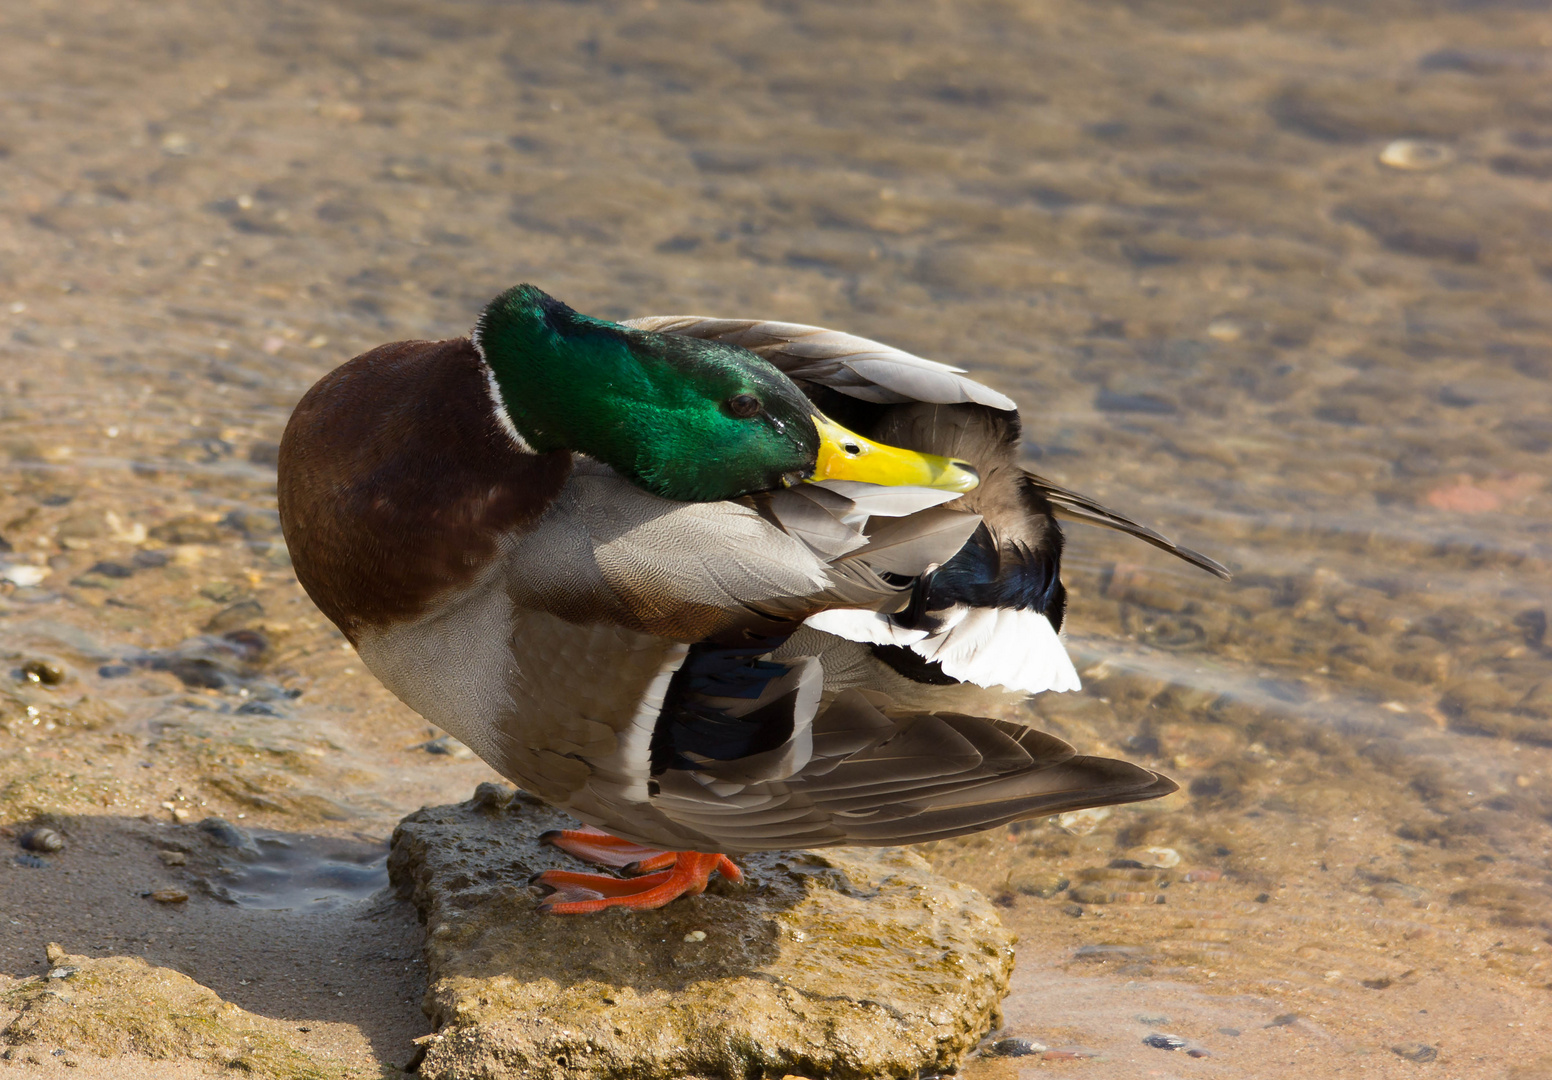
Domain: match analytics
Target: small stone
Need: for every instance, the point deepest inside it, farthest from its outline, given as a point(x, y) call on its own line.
point(172, 858)
point(489, 796)
point(1151, 1021)
point(23, 576)
point(150, 560)
point(1015, 1047)
point(46, 672)
point(62, 972)
point(695, 935)
point(1164, 1042)
point(223, 833)
point(44, 841)
point(1225, 330)
point(169, 896)
point(1042, 883)
point(222, 592)
point(1074, 910)
point(189, 529)
point(114, 671)
point(1416, 155)
point(253, 524)
point(1156, 858)
point(446, 746)
point(1082, 822)
point(80, 529)
point(1284, 1020)
point(1098, 953)
point(111, 570)
point(236, 616)
point(1419, 1052)
point(1538, 699)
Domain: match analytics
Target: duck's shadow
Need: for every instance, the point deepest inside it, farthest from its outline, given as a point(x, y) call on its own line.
point(294, 927)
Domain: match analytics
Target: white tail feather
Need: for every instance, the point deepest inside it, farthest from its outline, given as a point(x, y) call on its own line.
point(1002, 647)
point(1019, 650)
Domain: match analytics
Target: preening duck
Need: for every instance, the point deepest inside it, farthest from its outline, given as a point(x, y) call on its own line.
point(712, 586)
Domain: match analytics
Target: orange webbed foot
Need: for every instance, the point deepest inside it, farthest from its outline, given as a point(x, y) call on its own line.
point(677, 873)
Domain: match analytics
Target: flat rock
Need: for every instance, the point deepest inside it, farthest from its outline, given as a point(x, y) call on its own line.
point(843, 963)
point(118, 1006)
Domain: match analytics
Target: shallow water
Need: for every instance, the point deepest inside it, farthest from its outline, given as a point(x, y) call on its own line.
point(1182, 235)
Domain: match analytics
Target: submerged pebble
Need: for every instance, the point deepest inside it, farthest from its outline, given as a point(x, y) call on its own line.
point(42, 840)
point(1082, 822)
point(1164, 1042)
point(46, 672)
point(1418, 1052)
point(1157, 858)
point(445, 746)
point(1416, 155)
point(1042, 883)
point(169, 896)
point(1015, 1047)
point(23, 576)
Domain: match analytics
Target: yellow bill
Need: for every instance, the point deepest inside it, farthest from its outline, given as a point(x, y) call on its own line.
point(845, 455)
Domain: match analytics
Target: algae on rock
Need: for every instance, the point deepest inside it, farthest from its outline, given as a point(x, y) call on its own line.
point(117, 1005)
point(845, 963)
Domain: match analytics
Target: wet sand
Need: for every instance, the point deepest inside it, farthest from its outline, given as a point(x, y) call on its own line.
point(1183, 236)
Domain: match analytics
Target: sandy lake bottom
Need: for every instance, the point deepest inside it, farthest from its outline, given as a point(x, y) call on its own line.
point(1273, 277)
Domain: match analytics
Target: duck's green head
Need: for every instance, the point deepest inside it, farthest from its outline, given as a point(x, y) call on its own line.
point(683, 417)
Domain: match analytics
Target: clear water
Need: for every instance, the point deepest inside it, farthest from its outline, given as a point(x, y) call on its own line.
point(1180, 234)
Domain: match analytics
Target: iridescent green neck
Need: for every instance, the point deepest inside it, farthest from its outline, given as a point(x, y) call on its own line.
point(652, 406)
point(566, 387)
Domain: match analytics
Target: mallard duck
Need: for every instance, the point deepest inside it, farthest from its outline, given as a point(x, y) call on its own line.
point(711, 586)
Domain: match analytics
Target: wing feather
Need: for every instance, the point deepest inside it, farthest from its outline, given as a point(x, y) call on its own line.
point(881, 776)
point(856, 366)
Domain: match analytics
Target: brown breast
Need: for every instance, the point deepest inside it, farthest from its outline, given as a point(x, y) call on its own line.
point(396, 481)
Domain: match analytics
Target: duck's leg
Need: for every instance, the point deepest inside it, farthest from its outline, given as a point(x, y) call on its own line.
point(678, 873)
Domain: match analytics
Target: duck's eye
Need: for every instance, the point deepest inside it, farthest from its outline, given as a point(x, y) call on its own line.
point(744, 406)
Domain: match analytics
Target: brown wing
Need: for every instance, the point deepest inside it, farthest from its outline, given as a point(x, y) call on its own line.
point(879, 775)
